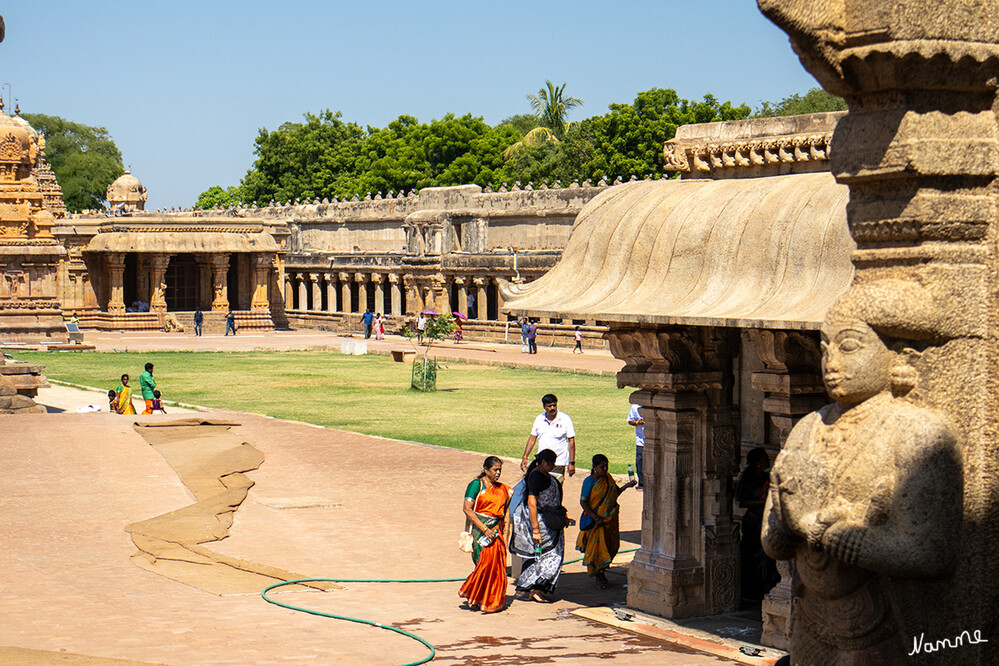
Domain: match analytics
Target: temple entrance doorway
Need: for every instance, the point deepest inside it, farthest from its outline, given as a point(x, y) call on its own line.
point(232, 282)
point(182, 279)
point(130, 278)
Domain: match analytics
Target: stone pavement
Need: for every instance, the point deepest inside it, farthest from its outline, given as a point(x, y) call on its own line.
point(326, 503)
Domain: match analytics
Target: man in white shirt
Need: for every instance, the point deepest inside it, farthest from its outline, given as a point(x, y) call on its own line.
point(553, 430)
point(635, 419)
point(421, 326)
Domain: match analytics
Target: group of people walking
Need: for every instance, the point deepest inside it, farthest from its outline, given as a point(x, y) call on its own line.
point(530, 519)
point(373, 323)
point(529, 337)
point(199, 320)
point(120, 398)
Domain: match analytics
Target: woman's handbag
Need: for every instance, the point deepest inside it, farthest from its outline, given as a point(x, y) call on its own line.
point(556, 518)
point(465, 542)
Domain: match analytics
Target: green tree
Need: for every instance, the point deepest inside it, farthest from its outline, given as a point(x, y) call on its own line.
point(325, 157)
point(552, 107)
point(628, 140)
point(815, 100)
point(304, 160)
point(409, 154)
point(217, 196)
point(522, 122)
point(85, 159)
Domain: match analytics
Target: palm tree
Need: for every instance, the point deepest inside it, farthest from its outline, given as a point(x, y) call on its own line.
point(535, 137)
point(552, 108)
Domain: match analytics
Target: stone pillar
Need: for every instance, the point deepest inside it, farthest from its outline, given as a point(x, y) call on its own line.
point(143, 278)
point(414, 301)
point(460, 284)
point(331, 292)
point(220, 281)
point(792, 386)
point(289, 291)
point(481, 307)
point(303, 292)
point(439, 297)
point(116, 273)
point(499, 299)
point(77, 287)
point(317, 291)
point(204, 280)
point(157, 267)
point(362, 291)
point(396, 294)
point(377, 279)
point(919, 152)
point(262, 265)
point(688, 562)
point(345, 293)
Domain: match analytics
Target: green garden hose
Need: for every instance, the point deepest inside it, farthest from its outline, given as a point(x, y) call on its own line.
point(333, 616)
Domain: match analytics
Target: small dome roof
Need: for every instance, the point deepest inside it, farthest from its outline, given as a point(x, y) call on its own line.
point(127, 189)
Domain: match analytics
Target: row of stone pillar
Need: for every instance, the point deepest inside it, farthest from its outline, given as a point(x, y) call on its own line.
point(311, 287)
point(422, 292)
point(217, 263)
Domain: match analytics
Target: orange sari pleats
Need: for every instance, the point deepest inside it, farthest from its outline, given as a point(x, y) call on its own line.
point(486, 585)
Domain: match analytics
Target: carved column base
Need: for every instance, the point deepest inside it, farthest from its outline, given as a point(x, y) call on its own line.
point(777, 606)
point(666, 587)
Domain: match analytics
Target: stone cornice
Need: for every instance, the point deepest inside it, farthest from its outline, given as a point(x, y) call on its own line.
point(692, 155)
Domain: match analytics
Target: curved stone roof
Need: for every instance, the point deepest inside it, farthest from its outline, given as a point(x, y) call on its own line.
point(185, 241)
point(757, 252)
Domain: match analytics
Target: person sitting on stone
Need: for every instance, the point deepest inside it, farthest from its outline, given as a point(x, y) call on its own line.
point(866, 495)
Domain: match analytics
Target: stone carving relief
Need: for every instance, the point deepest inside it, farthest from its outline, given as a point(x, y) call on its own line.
point(686, 157)
point(786, 351)
point(867, 492)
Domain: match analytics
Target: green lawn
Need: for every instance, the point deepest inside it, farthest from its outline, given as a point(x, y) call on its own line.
point(477, 408)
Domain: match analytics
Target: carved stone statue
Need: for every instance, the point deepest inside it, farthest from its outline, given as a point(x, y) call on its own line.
point(867, 492)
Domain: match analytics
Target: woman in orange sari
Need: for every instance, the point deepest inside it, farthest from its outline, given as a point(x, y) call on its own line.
point(124, 405)
point(485, 505)
point(599, 528)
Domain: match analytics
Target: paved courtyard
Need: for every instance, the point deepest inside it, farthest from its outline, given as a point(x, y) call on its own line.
point(324, 503)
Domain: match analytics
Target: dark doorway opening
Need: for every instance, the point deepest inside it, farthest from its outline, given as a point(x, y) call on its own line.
point(232, 283)
point(182, 278)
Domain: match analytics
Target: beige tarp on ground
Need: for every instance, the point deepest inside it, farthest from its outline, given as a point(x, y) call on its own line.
point(211, 462)
point(755, 252)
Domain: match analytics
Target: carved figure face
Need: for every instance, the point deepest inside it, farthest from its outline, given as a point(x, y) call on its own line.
point(856, 365)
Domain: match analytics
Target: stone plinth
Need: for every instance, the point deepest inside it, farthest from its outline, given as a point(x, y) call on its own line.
point(19, 383)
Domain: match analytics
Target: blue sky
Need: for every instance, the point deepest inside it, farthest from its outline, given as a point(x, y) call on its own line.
point(183, 87)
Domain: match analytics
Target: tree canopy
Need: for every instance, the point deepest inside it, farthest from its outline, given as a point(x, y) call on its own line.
point(325, 157)
point(815, 100)
point(628, 140)
point(85, 159)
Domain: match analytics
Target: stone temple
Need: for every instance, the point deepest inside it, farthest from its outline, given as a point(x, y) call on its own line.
point(734, 294)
